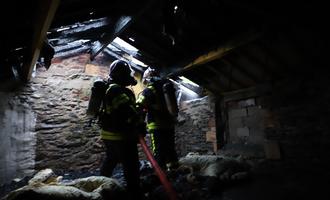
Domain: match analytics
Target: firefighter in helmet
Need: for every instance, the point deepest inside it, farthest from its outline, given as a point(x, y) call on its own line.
point(158, 102)
point(120, 124)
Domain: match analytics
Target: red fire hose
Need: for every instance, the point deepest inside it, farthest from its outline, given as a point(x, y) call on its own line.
point(161, 175)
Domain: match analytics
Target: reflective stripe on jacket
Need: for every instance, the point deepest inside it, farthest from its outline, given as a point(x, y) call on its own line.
point(152, 102)
point(107, 135)
point(120, 115)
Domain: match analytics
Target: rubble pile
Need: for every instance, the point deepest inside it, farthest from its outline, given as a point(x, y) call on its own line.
point(197, 177)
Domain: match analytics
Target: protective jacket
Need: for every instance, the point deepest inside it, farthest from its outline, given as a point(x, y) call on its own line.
point(119, 117)
point(152, 102)
point(160, 123)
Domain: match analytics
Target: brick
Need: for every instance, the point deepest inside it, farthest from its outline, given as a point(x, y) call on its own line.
point(211, 136)
point(92, 70)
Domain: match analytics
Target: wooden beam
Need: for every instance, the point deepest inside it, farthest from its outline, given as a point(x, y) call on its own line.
point(227, 71)
point(244, 78)
point(249, 70)
point(147, 44)
point(240, 94)
point(259, 62)
point(46, 12)
point(207, 84)
point(222, 50)
point(87, 32)
point(219, 52)
point(231, 84)
point(118, 27)
point(214, 83)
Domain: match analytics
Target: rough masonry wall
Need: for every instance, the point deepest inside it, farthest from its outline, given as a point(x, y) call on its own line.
point(18, 140)
point(62, 137)
point(195, 120)
point(66, 139)
point(44, 124)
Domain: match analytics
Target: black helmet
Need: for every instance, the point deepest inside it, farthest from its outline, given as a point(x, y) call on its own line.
point(121, 73)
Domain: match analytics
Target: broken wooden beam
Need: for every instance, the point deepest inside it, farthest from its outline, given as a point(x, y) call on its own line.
point(119, 26)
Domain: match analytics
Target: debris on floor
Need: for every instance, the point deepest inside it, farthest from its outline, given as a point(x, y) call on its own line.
point(197, 177)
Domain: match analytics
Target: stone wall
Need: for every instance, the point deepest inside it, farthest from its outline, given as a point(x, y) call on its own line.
point(66, 139)
point(44, 123)
point(291, 120)
point(195, 122)
point(18, 140)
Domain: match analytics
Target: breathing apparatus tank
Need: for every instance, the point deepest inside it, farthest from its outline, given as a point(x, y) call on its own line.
point(170, 98)
point(168, 90)
point(98, 91)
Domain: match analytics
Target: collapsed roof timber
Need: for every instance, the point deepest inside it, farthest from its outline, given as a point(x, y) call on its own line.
point(222, 45)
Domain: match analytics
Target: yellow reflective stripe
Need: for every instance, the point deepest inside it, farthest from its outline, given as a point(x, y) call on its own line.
point(153, 145)
point(140, 99)
point(152, 126)
point(110, 135)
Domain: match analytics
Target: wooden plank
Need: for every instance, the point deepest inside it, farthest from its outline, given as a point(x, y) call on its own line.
point(231, 84)
point(220, 52)
point(118, 27)
point(46, 13)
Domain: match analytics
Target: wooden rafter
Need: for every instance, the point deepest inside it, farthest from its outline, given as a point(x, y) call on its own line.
point(46, 13)
point(220, 52)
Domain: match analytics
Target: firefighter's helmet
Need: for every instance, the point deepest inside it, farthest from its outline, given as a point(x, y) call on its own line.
point(122, 73)
point(149, 74)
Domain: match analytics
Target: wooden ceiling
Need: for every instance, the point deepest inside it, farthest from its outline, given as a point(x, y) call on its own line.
point(224, 45)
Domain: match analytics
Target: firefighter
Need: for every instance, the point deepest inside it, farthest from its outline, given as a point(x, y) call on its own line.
point(120, 124)
point(160, 117)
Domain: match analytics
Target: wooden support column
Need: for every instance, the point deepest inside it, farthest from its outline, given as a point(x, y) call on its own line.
point(44, 16)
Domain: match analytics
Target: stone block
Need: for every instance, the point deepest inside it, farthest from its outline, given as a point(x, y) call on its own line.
point(247, 103)
point(243, 132)
point(255, 110)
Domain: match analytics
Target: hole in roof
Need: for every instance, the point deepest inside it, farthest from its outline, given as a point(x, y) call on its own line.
point(126, 51)
point(186, 80)
point(124, 45)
